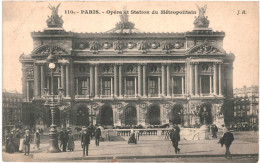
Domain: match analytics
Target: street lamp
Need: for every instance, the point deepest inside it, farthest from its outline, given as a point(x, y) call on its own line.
point(91, 99)
point(188, 109)
point(53, 135)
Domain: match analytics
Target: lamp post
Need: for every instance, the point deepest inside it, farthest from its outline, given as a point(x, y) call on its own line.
point(189, 112)
point(53, 135)
point(91, 99)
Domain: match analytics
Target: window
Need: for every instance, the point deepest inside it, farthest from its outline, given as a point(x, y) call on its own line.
point(177, 85)
point(106, 86)
point(153, 86)
point(84, 86)
point(130, 86)
point(205, 84)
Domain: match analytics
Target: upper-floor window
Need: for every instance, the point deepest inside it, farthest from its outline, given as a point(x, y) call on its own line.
point(106, 86)
point(84, 86)
point(177, 85)
point(130, 86)
point(153, 86)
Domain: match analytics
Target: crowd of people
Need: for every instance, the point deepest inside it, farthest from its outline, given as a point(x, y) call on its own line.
point(19, 140)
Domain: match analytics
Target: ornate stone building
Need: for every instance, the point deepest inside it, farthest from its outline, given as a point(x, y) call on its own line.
point(127, 77)
point(11, 108)
point(246, 104)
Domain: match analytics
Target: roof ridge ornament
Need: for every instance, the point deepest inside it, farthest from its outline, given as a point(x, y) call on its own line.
point(54, 21)
point(201, 21)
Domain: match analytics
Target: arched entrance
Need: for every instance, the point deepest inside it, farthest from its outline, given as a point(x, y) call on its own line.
point(82, 116)
point(205, 114)
point(176, 114)
point(106, 115)
point(130, 116)
point(154, 115)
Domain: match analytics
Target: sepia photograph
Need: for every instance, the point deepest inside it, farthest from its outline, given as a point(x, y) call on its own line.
point(121, 81)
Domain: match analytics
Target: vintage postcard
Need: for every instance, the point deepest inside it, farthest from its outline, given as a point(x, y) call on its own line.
point(123, 81)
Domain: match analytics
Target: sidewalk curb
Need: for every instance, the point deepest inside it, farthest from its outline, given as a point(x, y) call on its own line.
point(145, 157)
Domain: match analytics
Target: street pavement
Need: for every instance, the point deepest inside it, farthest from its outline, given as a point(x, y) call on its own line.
point(152, 148)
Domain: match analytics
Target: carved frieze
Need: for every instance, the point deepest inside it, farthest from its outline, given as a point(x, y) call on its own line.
point(166, 46)
point(205, 49)
point(154, 45)
point(179, 68)
point(142, 45)
point(131, 45)
point(94, 46)
point(178, 44)
point(155, 69)
point(118, 46)
point(29, 73)
point(131, 69)
point(107, 69)
point(106, 45)
point(206, 67)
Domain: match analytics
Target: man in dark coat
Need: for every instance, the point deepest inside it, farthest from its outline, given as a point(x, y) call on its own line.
point(214, 130)
point(27, 142)
point(64, 137)
point(85, 140)
point(175, 138)
point(227, 139)
point(97, 136)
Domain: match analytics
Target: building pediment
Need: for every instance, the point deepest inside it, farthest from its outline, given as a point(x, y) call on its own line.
point(45, 50)
point(206, 48)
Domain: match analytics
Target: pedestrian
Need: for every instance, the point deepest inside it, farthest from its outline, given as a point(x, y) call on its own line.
point(97, 136)
point(17, 136)
point(227, 139)
point(27, 142)
point(255, 128)
point(137, 134)
point(214, 130)
point(85, 140)
point(37, 139)
point(175, 138)
point(11, 142)
point(132, 138)
point(7, 136)
point(64, 139)
point(71, 144)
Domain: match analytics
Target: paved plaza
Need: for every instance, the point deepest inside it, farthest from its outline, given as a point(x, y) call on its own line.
point(149, 147)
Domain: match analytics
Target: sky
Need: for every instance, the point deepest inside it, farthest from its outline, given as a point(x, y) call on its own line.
point(21, 18)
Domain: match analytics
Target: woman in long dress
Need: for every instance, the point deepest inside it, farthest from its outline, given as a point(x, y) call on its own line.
point(132, 138)
point(71, 144)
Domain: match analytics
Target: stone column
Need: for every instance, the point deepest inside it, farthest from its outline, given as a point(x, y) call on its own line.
point(96, 82)
point(182, 85)
point(67, 81)
point(36, 80)
point(210, 84)
point(77, 86)
point(23, 81)
point(135, 86)
point(144, 81)
point(120, 80)
point(139, 80)
point(101, 86)
point(42, 80)
point(168, 80)
point(62, 79)
point(196, 79)
point(163, 80)
point(91, 84)
point(215, 78)
point(112, 88)
point(220, 79)
point(28, 90)
point(115, 80)
point(191, 79)
point(159, 86)
point(200, 86)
